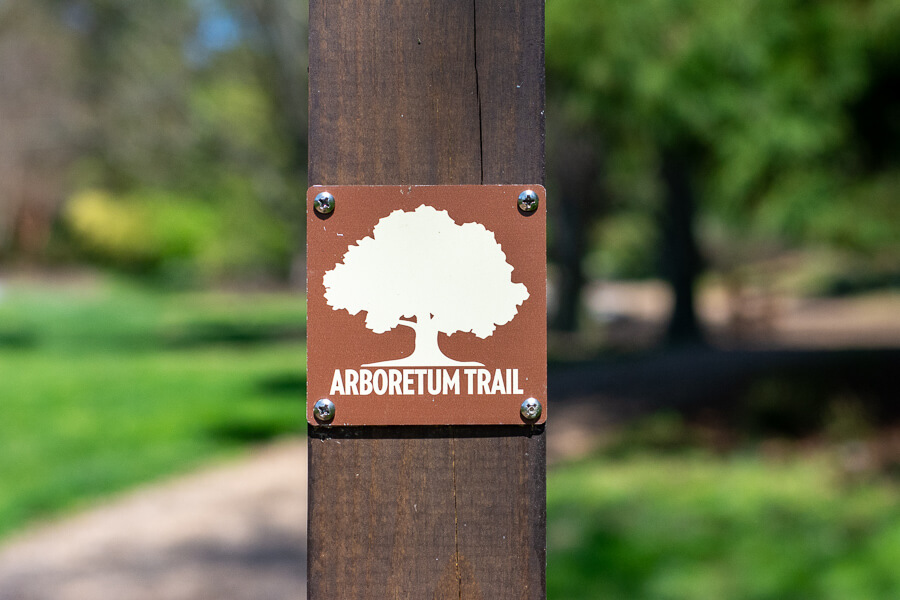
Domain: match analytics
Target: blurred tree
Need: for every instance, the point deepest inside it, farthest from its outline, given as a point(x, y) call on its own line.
point(277, 31)
point(574, 161)
point(134, 75)
point(741, 111)
point(199, 103)
point(40, 117)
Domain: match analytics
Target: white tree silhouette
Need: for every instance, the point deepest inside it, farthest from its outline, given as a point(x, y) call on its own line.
point(421, 265)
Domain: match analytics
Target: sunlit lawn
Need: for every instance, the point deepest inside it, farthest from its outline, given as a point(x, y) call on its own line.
point(108, 386)
point(697, 527)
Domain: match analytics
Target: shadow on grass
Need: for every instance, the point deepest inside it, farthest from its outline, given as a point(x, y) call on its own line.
point(191, 336)
point(230, 333)
point(768, 391)
point(17, 339)
point(250, 431)
point(287, 389)
point(291, 385)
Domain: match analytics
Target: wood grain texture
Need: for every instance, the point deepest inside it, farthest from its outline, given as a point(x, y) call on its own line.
point(426, 92)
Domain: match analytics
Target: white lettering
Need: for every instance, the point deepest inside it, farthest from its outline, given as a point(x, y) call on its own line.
point(434, 381)
point(421, 375)
point(337, 384)
point(499, 386)
point(380, 388)
point(470, 374)
point(418, 382)
point(351, 377)
point(408, 382)
point(516, 388)
point(365, 382)
point(484, 380)
point(395, 377)
point(451, 383)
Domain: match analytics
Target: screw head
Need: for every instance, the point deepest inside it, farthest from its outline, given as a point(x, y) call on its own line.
point(324, 203)
point(531, 410)
point(528, 201)
point(324, 410)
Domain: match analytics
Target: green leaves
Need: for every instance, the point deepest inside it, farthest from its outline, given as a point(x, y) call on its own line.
point(756, 95)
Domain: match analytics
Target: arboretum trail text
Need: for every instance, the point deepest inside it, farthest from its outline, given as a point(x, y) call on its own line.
point(417, 382)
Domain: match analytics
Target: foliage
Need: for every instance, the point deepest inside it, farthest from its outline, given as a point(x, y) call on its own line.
point(758, 100)
point(697, 527)
point(622, 246)
point(193, 101)
point(143, 385)
point(162, 233)
point(143, 230)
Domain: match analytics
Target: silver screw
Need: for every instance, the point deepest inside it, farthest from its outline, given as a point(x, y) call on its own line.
point(531, 410)
point(528, 201)
point(324, 203)
point(324, 410)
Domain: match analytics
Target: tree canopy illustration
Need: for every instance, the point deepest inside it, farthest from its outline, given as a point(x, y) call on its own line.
point(422, 270)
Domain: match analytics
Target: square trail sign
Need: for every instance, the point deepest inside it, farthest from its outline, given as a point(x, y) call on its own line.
point(426, 305)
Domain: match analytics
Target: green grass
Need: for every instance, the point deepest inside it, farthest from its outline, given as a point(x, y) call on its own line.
point(696, 527)
point(109, 386)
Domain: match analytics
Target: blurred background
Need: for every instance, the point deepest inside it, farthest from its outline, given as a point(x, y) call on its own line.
point(724, 298)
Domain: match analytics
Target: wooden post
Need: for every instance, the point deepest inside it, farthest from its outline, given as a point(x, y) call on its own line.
point(426, 92)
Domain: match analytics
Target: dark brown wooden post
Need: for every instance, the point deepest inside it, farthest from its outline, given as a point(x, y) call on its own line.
point(426, 92)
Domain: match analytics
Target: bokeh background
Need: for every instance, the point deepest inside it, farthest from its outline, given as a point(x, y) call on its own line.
point(724, 290)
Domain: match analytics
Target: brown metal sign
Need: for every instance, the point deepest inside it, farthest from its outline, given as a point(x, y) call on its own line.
point(426, 305)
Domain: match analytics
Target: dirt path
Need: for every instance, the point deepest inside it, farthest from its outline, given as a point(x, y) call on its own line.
point(238, 531)
point(234, 532)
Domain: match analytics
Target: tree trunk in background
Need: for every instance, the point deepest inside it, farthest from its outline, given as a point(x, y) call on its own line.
point(39, 116)
point(575, 167)
point(680, 260)
point(282, 27)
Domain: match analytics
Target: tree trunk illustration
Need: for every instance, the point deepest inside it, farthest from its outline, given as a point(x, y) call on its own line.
point(427, 352)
